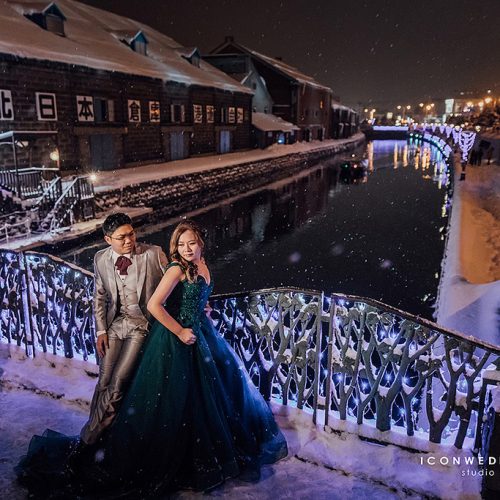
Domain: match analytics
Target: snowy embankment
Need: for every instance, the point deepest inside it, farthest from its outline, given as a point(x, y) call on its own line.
point(469, 297)
point(108, 180)
point(51, 391)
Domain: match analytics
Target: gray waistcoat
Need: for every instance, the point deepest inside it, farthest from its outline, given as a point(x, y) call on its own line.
point(129, 316)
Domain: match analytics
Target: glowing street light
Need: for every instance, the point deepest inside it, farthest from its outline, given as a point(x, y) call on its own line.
point(54, 155)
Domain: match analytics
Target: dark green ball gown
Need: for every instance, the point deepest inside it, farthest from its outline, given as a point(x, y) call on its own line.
point(191, 417)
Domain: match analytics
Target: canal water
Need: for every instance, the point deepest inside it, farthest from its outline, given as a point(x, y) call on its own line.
point(379, 235)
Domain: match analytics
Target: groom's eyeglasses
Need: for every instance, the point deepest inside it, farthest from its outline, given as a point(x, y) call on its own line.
point(123, 237)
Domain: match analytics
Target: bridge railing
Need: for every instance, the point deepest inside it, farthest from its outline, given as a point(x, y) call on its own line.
point(339, 358)
point(46, 305)
point(357, 359)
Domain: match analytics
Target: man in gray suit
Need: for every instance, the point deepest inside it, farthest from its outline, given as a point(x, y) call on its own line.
point(126, 274)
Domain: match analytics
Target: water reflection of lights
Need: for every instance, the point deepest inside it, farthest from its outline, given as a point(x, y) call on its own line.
point(429, 157)
point(445, 207)
point(369, 150)
point(425, 159)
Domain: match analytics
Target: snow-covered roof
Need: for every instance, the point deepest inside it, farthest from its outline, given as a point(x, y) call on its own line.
point(278, 64)
point(188, 51)
point(129, 35)
point(337, 105)
point(271, 123)
point(41, 6)
point(290, 71)
point(92, 40)
point(240, 77)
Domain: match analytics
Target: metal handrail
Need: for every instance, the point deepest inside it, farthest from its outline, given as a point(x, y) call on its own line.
point(4, 230)
point(54, 224)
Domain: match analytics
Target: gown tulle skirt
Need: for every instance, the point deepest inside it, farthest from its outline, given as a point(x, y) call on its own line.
point(190, 419)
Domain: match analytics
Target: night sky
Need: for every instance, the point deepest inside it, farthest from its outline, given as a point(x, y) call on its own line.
point(380, 51)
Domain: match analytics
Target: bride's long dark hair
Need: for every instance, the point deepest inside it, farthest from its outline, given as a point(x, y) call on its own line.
point(190, 268)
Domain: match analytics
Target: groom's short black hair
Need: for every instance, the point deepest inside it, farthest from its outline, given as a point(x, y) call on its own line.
point(114, 221)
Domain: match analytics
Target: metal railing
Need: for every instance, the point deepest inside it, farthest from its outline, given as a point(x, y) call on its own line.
point(48, 198)
point(360, 360)
point(46, 305)
point(19, 229)
point(341, 358)
point(75, 203)
point(27, 183)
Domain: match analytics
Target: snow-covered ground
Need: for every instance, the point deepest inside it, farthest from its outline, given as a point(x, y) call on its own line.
point(51, 392)
point(469, 298)
point(108, 180)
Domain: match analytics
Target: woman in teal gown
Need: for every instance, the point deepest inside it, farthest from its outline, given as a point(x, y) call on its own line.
point(191, 417)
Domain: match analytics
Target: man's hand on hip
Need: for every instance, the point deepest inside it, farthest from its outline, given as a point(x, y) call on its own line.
point(102, 344)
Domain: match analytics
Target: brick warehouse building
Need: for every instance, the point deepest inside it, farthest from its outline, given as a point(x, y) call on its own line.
point(116, 91)
point(297, 98)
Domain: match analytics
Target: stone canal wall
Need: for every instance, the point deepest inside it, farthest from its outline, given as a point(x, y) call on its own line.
point(182, 193)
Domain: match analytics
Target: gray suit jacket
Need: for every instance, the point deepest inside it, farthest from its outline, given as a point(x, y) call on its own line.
point(151, 263)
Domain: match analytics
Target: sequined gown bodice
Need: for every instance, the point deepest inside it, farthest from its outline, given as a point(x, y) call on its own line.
point(187, 301)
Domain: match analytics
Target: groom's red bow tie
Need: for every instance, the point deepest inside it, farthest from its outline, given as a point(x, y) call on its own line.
point(122, 263)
